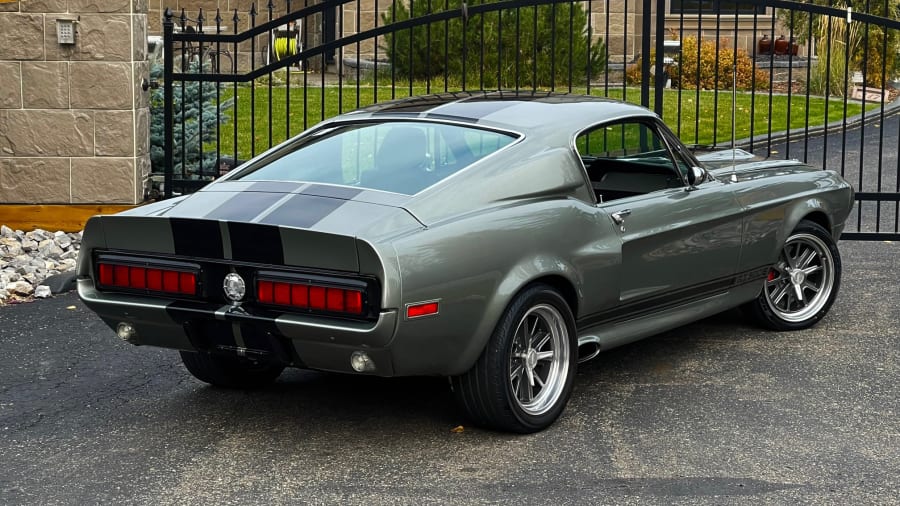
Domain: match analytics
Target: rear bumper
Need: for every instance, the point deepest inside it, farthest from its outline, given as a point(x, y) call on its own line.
point(297, 340)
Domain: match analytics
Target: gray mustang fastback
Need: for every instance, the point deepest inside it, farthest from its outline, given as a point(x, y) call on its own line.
point(493, 238)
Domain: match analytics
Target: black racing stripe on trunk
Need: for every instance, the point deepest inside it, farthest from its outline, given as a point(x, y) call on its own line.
point(275, 186)
point(253, 242)
point(244, 206)
point(338, 192)
point(302, 211)
point(196, 238)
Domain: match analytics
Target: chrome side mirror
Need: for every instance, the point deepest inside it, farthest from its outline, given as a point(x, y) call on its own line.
point(696, 175)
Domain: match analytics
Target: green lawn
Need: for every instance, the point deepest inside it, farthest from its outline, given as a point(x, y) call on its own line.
point(714, 125)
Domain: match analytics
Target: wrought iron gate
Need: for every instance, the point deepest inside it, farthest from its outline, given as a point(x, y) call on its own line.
point(229, 94)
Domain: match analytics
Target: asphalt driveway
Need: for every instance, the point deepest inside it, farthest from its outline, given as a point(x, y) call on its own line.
point(716, 412)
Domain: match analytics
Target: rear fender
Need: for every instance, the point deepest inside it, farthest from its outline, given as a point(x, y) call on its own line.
point(563, 238)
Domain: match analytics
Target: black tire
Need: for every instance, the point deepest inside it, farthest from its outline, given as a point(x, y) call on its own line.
point(230, 372)
point(778, 306)
point(491, 393)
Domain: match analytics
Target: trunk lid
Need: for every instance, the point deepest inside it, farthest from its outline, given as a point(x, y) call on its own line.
point(302, 225)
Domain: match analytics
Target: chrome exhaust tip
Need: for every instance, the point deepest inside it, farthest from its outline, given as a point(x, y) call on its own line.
point(588, 350)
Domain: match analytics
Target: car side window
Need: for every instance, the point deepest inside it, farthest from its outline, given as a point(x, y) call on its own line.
point(627, 158)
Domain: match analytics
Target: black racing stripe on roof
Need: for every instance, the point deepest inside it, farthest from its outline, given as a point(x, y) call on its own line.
point(196, 238)
point(302, 211)
point(275, 186)
point(337, 192)
point(244, 206)
point(252, 242)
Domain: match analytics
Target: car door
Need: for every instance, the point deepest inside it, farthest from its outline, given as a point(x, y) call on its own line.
point(680, 242)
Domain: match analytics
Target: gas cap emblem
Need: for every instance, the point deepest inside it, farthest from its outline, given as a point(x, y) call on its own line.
point(234, 287)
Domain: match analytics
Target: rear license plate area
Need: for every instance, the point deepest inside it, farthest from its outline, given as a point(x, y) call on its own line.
point(238, 339)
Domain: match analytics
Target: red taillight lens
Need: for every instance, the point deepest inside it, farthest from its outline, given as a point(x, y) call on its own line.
point(353, 300)
point(265, 292)
point(170, 281)
point(106, 274)
point(317, 297)
point(283, 294)
point(144, 278)
point(154, 279)
point(303, 296)
point(187, 282)
point(137, 277)
point(300, 295)
point(334, 299)
point(120, 275)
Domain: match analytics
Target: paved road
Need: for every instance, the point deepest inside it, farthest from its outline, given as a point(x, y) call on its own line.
point(712, 413)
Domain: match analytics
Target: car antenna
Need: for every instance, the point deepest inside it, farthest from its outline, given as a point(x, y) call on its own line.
point(733, 116)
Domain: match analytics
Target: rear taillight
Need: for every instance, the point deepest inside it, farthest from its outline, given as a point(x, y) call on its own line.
point(147, 278)
point(309, 296)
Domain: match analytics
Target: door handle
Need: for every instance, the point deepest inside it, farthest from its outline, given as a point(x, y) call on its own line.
point(619, 216)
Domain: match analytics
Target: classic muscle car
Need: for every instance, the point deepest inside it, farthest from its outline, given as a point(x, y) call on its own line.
point(493, 238)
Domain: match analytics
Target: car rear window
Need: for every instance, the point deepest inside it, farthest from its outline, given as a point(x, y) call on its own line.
point(398, 156)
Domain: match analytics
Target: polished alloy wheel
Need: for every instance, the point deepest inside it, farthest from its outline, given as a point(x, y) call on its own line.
point(800, 284)
point(538, 359)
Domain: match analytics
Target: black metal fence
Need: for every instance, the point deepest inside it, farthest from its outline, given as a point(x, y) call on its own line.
point(777, 78)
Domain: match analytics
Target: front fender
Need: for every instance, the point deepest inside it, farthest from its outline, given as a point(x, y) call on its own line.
point(774, 208)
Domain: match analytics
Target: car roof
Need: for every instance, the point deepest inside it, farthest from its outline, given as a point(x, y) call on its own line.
point(519, 111)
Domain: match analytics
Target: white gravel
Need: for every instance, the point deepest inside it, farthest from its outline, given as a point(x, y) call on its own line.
point(28, 258)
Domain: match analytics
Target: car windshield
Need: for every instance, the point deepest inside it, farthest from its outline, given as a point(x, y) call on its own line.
point(398, 156)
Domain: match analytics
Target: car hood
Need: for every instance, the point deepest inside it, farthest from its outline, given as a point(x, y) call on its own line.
point(726, 158)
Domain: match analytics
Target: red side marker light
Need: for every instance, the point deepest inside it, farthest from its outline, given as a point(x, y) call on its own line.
point(421, 309)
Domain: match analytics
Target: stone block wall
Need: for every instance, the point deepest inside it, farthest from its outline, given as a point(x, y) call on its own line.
point(74, 120)
point(369, 13)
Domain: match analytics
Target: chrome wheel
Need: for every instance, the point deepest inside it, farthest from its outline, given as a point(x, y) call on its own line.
point(800, 284)
point(538, 361)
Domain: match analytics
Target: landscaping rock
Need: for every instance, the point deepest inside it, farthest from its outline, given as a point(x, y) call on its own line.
point(36, 258)
point(20, 288)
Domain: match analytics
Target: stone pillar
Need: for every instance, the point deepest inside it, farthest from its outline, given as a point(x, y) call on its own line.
point(74, 120)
